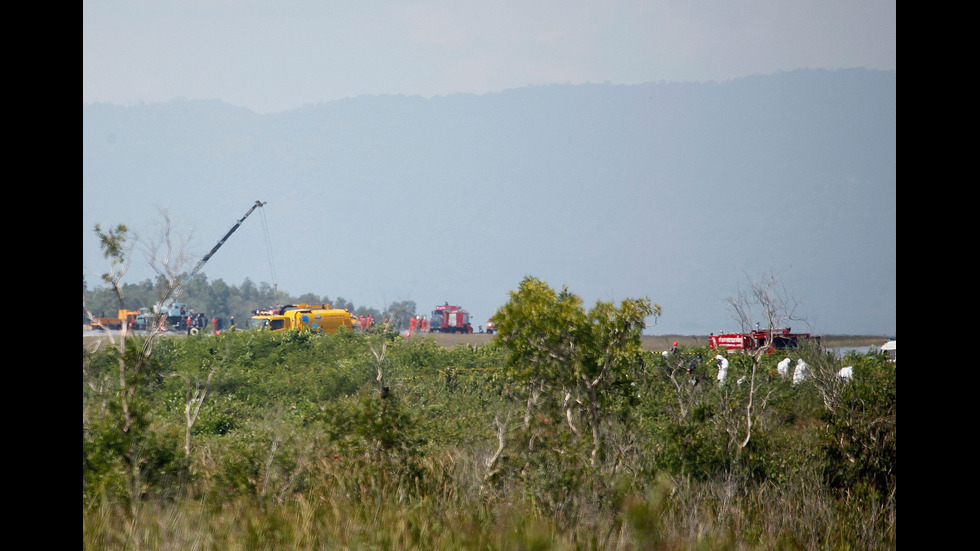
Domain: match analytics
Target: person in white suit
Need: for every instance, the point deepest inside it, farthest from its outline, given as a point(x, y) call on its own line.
point(801, 373)
point(722, 368)
point(783, 367)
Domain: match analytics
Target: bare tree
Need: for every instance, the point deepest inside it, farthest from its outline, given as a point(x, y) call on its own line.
point(491, 462)
point(378, 343)
point(193, 399)
point(828, 379)
point(166, 256)
point(118, 244)
point(764, 302)
point(676, 368)
point(117, 249)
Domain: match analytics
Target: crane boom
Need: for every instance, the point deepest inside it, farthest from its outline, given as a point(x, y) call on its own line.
point(174, 313)
point(217, 246)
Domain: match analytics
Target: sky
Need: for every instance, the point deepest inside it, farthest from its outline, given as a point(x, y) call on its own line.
point(272, 57)
point(276, 56)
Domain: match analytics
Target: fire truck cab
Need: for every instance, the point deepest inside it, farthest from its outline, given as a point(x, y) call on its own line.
point(450, 319)
point(782, 339)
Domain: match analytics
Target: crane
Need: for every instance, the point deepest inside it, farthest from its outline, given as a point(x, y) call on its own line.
point(176, 317)
point(217, 246)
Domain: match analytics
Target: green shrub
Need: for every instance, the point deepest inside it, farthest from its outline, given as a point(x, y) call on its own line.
point(859, 442)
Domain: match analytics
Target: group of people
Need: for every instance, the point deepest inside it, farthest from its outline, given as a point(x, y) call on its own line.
point(418, 323)
point(197, 322)
point(363, 323)
point(194, 320)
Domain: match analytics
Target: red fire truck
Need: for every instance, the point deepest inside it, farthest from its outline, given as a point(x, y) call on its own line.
point(782, 339)
point(450, 319)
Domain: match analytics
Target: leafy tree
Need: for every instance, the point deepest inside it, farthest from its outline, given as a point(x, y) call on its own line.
point(140, 454)
point(554, 346)
point(116, 247)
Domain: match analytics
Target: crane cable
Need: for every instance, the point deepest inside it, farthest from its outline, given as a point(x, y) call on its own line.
point(268, 246)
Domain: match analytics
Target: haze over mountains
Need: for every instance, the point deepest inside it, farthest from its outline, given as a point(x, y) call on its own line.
point(677, 191)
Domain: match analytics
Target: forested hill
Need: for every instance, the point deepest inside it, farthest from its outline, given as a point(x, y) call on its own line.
point(595, 186)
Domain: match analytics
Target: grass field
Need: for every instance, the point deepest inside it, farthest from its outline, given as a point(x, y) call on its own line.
point(658, 343)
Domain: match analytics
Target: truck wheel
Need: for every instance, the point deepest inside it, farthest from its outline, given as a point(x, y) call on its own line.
point(194, 331)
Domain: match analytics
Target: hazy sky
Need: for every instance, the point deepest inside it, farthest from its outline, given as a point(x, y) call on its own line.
point(274, 56)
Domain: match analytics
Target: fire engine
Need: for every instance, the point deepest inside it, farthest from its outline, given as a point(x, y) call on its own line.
point(782, 339)
point(450, 319)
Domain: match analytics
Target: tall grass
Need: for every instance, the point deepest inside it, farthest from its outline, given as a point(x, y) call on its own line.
point(358, 507)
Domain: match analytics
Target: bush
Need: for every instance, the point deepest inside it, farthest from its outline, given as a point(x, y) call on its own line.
point(859, 444)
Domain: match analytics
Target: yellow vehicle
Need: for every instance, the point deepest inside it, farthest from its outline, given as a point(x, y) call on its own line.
point(123, 317)
point(318, 317)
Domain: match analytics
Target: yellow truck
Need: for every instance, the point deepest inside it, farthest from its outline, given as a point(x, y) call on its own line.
point(318, 317)
point(123, 317)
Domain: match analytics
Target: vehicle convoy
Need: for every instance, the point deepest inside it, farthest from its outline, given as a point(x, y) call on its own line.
point(450, 319)
point(781, 339)
point(318, 317)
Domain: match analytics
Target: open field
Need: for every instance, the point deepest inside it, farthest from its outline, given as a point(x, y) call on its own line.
point(653, 343)
point(658, 343)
